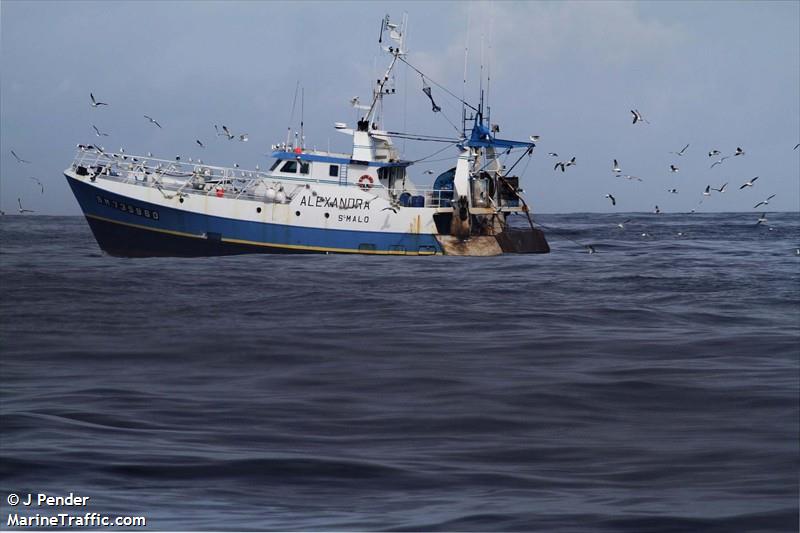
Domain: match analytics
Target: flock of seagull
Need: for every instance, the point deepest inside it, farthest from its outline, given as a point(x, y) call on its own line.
point(243, 137)
point(224, 131)
point(616, 169)
point(22, 161)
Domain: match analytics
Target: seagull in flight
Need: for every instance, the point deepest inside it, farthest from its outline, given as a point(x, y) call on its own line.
point(98, 132)
point(227, 133)
point(613, 200)
point(762, 219)
point(719, 161)
point(657, 211)
point(748, 183)
point(244, 137)
point(564, 164)
point(673, 191)
point(18, 158)
point(637, 116)
point(795, 146)
point(721, 189)
point(95, 103)
point(673, 168)
point(707, 192)
point(553, 154)
point(37, 181)
point(712, 153)
point(738, 151)
point(764, 202)
point(21, 210)
point(429, 171)
point(615, 169)
point(681, 152)
point(590, 249)
point(535, 138)
point(200, 144)
point(152, 120)
point(621, 225)
point(629, 177)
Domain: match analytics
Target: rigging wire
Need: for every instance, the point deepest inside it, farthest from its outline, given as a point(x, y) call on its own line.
point(450, 122)
point(524, 170)
point(442, 87)
point(548, 228)
point(435, 153)
point(436, 109)
point(556, 232)
point(422, 137)
point(436, 160)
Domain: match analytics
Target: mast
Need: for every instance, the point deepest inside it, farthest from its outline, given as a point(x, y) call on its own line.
point(397, 34)
point(291, 115)
point(302, 114)
point(464, 83)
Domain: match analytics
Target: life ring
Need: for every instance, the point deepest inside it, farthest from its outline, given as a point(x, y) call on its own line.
point(365, 182)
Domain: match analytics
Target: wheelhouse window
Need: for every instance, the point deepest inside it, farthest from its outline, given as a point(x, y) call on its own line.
point(275, 164)
point(289, 166)
point(304, 167)
point(333, 171)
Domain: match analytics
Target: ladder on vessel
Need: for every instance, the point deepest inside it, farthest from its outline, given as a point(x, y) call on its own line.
point(342, 174)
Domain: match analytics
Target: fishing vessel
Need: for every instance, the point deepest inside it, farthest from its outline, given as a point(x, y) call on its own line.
point(364, 201)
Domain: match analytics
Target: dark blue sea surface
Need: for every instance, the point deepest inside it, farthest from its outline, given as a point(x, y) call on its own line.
point(651, 386)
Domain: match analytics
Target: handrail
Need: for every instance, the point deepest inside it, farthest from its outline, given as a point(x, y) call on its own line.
point(200, 178)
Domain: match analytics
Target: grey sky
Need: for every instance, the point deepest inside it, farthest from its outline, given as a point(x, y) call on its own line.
point(712, 74)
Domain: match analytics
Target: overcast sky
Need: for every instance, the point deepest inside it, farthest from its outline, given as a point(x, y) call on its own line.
point(716, 75)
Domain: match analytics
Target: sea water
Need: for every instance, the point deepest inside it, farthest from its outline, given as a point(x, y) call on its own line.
point(650, 386)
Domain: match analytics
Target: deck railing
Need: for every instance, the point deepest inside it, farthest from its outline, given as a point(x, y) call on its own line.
point(175, 177)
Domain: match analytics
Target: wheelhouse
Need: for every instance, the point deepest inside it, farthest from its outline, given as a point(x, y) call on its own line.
point(341, 168)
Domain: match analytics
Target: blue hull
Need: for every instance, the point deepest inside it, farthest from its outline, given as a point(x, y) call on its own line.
point(133, 228)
